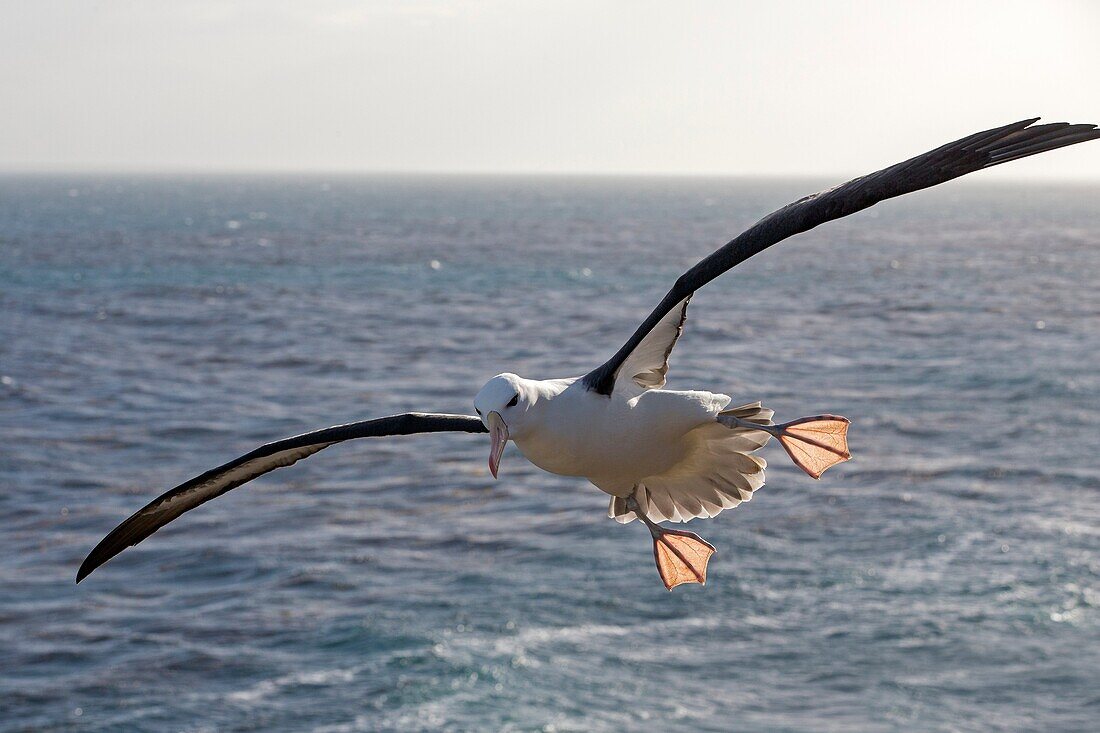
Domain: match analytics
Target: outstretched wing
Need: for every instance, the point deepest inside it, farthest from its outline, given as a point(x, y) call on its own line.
point(217, 481)
point(972, 153)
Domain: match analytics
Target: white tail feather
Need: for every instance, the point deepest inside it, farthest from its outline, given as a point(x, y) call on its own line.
point(718, 473)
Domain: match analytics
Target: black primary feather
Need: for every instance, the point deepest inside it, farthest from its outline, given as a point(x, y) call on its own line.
point(217, 481)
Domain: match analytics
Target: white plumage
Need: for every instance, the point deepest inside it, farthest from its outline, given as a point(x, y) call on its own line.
point(678, 453)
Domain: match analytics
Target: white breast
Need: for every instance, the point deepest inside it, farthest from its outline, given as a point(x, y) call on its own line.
point(614, 440)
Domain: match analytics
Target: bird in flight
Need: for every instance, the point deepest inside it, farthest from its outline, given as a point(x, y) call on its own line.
point(661, 455)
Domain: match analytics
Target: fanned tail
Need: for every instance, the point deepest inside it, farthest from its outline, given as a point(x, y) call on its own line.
point(718, 473)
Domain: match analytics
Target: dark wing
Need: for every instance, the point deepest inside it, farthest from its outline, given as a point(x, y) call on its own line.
point(973, 153)
point(217, 481)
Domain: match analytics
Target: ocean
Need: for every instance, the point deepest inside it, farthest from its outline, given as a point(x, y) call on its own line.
point(946, 579)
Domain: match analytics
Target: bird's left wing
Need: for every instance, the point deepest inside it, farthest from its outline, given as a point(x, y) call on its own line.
point(969, 154)
point(217, 481)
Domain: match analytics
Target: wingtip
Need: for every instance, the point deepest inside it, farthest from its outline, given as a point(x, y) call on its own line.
point(86, 568)
point(1020, 125)
point(1032, 120)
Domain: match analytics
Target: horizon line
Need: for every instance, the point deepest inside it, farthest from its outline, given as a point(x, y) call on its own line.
point(182, 172)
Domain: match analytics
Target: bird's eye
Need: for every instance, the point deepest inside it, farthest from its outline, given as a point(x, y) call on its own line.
point(514, 401)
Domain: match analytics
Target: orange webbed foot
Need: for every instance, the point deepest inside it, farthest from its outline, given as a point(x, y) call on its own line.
point(815, 443)
point(681, 556)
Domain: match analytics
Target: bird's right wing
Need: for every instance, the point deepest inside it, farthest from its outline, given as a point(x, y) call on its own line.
point(217, 481)
point(970, 154)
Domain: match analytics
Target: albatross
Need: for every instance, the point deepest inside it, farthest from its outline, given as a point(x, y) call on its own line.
point(661, 455)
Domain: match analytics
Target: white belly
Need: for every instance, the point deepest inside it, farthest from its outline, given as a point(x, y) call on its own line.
point(615, 442)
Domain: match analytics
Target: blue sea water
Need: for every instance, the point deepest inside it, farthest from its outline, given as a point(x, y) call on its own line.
point(948, 578)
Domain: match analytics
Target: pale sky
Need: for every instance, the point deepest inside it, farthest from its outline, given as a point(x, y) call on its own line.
point(737, 88)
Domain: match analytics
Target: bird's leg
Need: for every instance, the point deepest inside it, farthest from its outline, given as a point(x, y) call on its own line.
point(681, 556)
point(813, 443)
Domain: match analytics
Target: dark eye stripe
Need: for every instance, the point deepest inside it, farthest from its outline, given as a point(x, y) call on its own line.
point(514, 401)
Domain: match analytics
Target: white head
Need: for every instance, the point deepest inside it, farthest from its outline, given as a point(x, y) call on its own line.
point(502, 404)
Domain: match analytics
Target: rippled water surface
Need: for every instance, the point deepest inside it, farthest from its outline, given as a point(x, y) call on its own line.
point(948, 578)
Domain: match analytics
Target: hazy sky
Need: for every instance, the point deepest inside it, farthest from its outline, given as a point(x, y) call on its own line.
point(466, 85)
